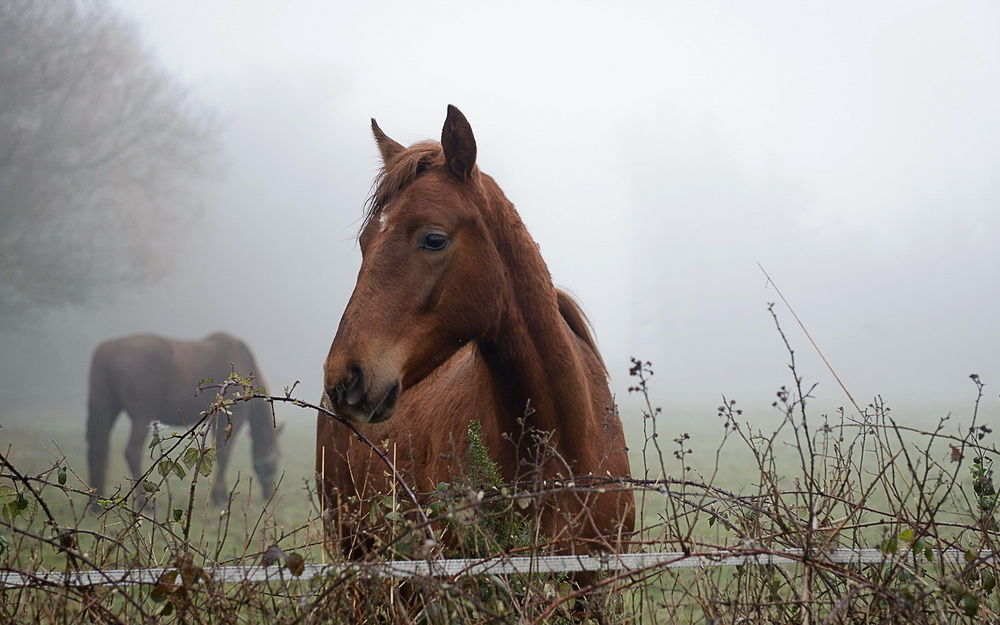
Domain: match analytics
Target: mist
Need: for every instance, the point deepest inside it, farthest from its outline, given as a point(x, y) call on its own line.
point(661, 154)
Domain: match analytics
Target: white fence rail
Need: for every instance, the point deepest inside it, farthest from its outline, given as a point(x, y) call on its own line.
point(459, 568)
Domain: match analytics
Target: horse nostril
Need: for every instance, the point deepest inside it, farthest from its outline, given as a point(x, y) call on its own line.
point(354, 387)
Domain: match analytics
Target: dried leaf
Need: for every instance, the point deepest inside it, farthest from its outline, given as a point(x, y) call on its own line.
point(67, 540)
point(956, 453)
point(164, 586)
point(295, 564)
point(190, 572)
point(272, 556)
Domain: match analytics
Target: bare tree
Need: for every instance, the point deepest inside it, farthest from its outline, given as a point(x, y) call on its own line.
point(99, 152)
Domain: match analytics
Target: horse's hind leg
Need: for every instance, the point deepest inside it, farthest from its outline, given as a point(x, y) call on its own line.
point(133, 455)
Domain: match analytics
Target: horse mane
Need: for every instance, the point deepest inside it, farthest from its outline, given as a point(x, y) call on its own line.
point(401, 170)
point(578, 322)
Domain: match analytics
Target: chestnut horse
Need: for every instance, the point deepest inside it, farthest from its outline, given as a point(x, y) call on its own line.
point(455, 318)
point(153, 378)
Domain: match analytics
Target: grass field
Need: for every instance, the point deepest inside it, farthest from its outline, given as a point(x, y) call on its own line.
point(41, 436)
point(767, 478)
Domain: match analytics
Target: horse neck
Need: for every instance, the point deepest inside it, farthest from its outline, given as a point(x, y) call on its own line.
point(533, 354)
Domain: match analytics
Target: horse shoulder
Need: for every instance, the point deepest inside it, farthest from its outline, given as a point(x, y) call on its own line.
point(134, 366)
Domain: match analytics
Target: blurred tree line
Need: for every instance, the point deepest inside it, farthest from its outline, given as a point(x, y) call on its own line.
point(100, 155)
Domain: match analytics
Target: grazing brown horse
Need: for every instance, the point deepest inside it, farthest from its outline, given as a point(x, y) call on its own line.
point(455, 318)
point(153, 378)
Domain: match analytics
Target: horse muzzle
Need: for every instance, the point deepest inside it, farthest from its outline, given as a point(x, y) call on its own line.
point(353, 399)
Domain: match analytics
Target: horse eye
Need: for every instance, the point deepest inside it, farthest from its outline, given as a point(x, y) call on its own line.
point(434, 241)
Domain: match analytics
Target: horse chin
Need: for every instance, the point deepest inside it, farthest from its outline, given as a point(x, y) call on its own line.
point(381, 416)
point(384, 409)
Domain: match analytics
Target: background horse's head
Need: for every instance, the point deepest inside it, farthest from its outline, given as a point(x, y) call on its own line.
point(430, 273)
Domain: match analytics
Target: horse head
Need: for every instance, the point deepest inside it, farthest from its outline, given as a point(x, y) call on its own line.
point(429, 274)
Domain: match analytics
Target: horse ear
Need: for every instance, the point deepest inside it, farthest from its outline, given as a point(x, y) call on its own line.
point(386, 146)
point(459, 144)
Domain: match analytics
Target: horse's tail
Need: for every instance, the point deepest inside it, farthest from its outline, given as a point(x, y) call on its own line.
point(103, 407)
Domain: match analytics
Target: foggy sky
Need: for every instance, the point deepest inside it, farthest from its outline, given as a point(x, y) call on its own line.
point(656, 151)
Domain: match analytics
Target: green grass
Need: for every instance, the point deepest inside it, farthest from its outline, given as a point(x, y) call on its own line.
point(868, 485)
point(37, 440)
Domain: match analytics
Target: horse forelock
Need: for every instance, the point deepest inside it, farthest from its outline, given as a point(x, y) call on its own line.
point(398, 173)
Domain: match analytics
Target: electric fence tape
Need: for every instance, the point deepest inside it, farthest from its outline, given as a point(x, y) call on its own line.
point(470, 567)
